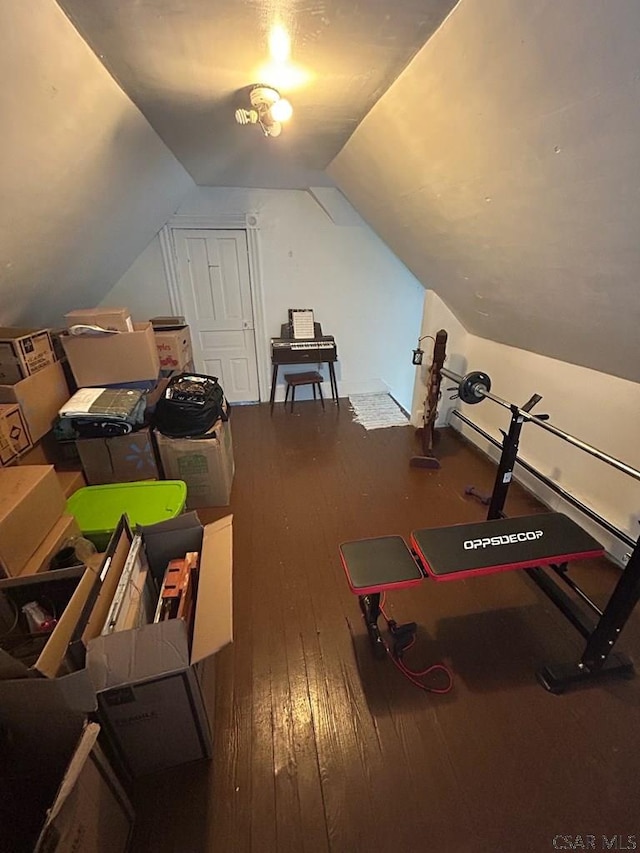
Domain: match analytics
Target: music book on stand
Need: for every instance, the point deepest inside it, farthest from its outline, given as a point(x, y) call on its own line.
point(302, 320)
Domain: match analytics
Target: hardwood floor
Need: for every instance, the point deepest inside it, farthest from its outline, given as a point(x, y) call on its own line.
point(318, 746)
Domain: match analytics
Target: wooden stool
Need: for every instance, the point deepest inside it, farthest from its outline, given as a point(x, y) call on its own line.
point(311, 377)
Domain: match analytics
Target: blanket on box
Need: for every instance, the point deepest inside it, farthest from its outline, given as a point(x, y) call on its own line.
point(100, 413)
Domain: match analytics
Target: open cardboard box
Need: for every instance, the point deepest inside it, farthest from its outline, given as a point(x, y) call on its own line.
point(116, 319)
point(174, 348)
point(113, 359)
point(39, 735)
point(91, 810)
point(147, 687)
point(143, 680)
point(67, 595)
point(59, 792)
point(40, 396)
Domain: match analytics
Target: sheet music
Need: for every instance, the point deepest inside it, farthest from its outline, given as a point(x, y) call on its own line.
point(302, 323)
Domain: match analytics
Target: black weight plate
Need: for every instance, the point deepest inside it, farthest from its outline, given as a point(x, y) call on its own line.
point(467, 387)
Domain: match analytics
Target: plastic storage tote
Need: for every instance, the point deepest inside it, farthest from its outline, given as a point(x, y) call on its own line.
point(98, 509)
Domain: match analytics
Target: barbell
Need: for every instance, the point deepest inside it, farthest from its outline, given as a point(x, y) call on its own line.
point(475, 387)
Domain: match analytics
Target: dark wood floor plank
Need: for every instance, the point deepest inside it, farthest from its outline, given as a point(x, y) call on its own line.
point(296, 620)
point(320, 747)
point(289, 830)
point(232, 794)
point(259, 709)
point(336, 737)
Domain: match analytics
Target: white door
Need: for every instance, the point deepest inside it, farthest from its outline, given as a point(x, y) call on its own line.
point(213, 270)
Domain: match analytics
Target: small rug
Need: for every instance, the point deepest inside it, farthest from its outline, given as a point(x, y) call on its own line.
point(376, 411)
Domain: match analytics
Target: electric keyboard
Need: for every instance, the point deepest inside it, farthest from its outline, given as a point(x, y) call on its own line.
point(291, 351)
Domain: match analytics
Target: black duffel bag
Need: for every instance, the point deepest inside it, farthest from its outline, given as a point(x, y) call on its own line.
point(190, 406)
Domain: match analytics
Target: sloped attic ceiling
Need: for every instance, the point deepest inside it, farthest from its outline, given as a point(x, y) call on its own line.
point(188, 64)
point(85, 182)
point(502, 168)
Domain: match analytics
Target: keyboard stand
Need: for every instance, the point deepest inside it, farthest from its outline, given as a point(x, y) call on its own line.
point(285, 333)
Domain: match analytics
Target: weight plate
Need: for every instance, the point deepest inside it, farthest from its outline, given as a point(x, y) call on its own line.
point(467, 389)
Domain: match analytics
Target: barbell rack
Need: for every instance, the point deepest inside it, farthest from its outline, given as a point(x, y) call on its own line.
point(563, 493)
point(598, 658)
point(481, 391)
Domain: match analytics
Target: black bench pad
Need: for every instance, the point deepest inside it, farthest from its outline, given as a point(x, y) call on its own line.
point(373, 565)
point(466, 550)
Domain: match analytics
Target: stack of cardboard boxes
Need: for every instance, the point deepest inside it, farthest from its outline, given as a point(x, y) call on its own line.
point(128, 358)
point(33, 387)
point(35, 383)
point(206, 464)
point(143, 683)
point(137, 354)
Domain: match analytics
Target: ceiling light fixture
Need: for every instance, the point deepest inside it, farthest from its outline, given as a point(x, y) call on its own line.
point(268, 109)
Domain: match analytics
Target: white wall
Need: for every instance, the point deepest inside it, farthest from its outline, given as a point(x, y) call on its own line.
point(143, 288)
point(360, 292)
point(597, 408)
point(85, 182)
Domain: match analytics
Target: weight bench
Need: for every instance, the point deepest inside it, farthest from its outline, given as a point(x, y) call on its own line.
point(374, 566)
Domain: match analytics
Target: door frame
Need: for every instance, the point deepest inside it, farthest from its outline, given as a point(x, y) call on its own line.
point(250, 224)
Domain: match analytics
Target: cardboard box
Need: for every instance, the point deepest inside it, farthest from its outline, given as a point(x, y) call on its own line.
point(40, 397)
point(23, 352)
point(120, 459)
point(145, 679)
point(42, 719)
point(71, 481)
point(158, 722)
point(174, 349)
point(116, 319)
point(149, 697)
point(56, 333)
point(14, 435)
point(50, 451)
point(75, 594)
point(31, 502)
point(35, 455)
point(166, 323)
point(67, 595)
point(61, 532)
point(113, 359)
point(39, 736)
point(205, 464)
point(91, 810)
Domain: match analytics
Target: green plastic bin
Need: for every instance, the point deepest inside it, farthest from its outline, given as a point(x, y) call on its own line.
point(98, 509)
